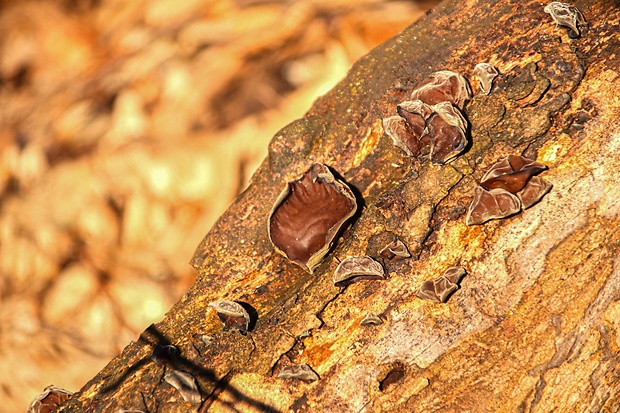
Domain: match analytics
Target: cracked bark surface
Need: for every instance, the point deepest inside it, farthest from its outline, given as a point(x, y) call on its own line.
point(535, 325)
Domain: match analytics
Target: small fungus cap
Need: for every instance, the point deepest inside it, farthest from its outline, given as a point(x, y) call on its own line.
point(354, 269)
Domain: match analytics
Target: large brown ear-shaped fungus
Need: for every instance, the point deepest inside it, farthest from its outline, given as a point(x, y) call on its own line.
point(447, 131)
point(533, 191)
point(353, 269)
point(494, 204)
point(511, 173)
point(308, 215)
point(402, 135)
point(443, 86)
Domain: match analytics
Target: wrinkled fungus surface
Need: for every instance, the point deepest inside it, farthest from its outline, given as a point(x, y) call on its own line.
point(441, 288)
point(308, 214)
point(354, 269)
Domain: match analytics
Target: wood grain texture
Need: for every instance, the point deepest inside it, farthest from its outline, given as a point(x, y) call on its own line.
point(535, 325)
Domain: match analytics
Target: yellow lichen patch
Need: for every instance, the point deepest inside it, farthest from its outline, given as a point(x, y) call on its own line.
point(553, 150)
point(369, 143)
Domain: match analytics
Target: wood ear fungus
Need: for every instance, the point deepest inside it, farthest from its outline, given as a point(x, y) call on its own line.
point(511, 173)
point(446, 129)
point(299, 372)
point(485, 73)
point(371, 320)
point(308, 215)
point(432, 115)
point(440, 289)
point(494, 204)
point(443, 86)
point(232, 315)
point(395, 251)
point(402, 135)
point(48, 400)
point(354, 269)
point(509, 186)
point(185, 384)
point(566, 15)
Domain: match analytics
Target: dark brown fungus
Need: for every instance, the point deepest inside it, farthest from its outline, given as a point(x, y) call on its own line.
point(485, 73)
point(232, 315)
point(440, 289)
point(299, 372)
point(48, 400)
point(443, 86)
point(415, 112)
point(185, 384)
point(354, 269)
point(533, 192)
point(566, 15)
point(402, 136)
point(395, 251)
point(494, 204)
point(511, 173)
point(308, 215)
point(447, 131)
point(371, 320)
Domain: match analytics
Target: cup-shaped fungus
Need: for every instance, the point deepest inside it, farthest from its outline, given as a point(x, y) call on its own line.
point(371, 320)
point(308, 215)
point(48, 400)
point(566, 15)
point(511, 173)
point(443, 86)
point(232, 315)
point(494, 204)
point(440, 289)
point(447, 131)
point(402, 135)
point(533, 191)
point(185, 384)
point(415, 112)
point(395, 251)
point(486, 73)
point(354, 269)
point(299, 372)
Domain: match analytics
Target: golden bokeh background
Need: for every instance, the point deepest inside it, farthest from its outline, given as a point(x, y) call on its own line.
point(126, 129)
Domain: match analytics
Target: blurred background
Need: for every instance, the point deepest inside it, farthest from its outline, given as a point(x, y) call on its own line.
point(126, 129)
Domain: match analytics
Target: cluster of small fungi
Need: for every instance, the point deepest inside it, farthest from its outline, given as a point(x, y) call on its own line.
point(312, 210)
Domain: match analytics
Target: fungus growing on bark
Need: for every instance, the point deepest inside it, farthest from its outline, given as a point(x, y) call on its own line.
point(165, 355)
point(232, 315)
point(308, 215)
point(402, 136)
point(443, 86)
point(447, 131)
point(48, 400)
point(440, 289)
point(354, 269)
point(299, 372)
point(415, 113)
point(566, 15)
point(185, 384)
point(371, 320)
point(494, 204)
point(485, 73)
point(533, 191)
point(511, 173)
point(395, 251)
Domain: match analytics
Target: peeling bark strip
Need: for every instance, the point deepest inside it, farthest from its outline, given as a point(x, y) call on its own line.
point(535, 320)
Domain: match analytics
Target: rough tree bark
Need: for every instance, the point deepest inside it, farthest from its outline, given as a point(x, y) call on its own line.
point(535, 326)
